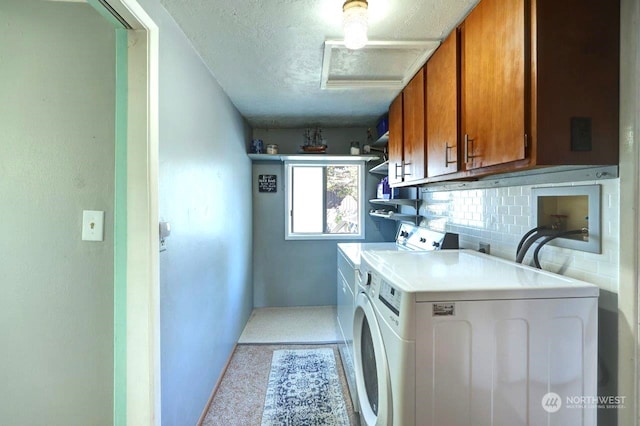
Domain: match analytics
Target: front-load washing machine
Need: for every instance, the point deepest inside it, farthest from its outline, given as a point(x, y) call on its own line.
point(462, 338)
point(408, 237)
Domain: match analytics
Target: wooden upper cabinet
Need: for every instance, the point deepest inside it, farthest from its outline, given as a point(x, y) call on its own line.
point(396, 138)
point(540, 84)
point(521, 84)
point(407, 150)
point(575, 79)
point(414, 129)
point(493, 84)
point(442, 108)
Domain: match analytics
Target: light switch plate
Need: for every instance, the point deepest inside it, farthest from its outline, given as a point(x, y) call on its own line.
point(92, 225)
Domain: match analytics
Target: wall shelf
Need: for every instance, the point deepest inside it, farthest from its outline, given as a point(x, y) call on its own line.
point(395, 216)
point(380, 169)
point(382, 140)
point(396, 202)
point(311, 157)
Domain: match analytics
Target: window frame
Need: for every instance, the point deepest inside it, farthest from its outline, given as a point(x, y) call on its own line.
point(288, 171)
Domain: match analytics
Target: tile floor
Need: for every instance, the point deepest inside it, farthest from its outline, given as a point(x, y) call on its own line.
point(299, 325)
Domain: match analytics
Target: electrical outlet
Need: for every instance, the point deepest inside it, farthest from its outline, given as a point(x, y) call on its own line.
point(484, 248)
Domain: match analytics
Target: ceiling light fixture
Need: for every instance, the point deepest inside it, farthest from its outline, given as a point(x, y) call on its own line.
point(355, 23)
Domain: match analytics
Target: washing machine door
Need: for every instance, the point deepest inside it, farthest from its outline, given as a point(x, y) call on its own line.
point(371, 366)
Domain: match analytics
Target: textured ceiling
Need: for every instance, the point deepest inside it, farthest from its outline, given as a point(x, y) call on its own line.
point(267, 54)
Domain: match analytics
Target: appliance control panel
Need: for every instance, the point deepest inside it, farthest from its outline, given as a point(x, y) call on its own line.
point(392, 305)
point(418, 238)
point(390, 296)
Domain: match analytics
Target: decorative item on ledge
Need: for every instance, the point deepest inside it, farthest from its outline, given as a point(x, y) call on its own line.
point(310, 149)
point(257, 146)
point(354, 148)
point(314, 143)
point(272, 149)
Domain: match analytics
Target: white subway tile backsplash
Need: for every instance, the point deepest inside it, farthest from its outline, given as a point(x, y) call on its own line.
point(508, 200)
point(585, 265)
point(515, 210)
point(500, 216)
point(508, 220)
point(607, 269)
point(516, 229)
point(522, 200)
point(514, 190)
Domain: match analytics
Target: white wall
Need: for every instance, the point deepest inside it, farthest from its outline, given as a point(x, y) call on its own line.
point(56, 159)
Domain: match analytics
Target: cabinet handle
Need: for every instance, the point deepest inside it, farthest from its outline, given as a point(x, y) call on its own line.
point(396, 170)
point(404, 171)
point(446, 154)
point(467, 141)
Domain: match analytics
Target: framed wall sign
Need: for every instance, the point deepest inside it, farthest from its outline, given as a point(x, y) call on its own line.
point(267, 183)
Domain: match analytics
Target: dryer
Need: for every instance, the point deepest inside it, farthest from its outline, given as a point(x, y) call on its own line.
point(463, 338)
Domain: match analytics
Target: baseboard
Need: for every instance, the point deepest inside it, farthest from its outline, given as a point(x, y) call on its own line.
point(215, 388)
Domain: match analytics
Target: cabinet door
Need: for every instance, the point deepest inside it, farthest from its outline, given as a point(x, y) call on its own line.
point(493, 83)
point(396, 137)
point(414, 132)
point(442, 108)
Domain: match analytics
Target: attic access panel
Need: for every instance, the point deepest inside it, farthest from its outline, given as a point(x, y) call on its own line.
point(386, 64)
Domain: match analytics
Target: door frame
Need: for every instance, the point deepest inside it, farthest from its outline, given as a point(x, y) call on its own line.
point(137, 392)
point(629, 269)
point(142, 388)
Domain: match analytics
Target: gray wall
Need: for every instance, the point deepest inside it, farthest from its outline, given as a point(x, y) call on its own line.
point(299, 273)
point(205, 184)
point(56, 159)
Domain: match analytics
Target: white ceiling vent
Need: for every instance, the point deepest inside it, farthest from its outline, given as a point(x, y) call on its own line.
point(387, 64)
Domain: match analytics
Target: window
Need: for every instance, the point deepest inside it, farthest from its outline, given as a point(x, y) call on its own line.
point(325, 200)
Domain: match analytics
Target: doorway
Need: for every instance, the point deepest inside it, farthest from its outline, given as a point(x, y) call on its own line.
point(77, 348)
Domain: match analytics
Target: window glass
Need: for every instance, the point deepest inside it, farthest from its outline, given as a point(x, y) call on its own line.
point(343, 195)
point(307, 197)
point(325, 200)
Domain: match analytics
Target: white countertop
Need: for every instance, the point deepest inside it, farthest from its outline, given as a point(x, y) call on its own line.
point(352, 251)
point(469, 275)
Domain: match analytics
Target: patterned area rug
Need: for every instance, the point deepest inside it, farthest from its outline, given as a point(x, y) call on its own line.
point(304, 389)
